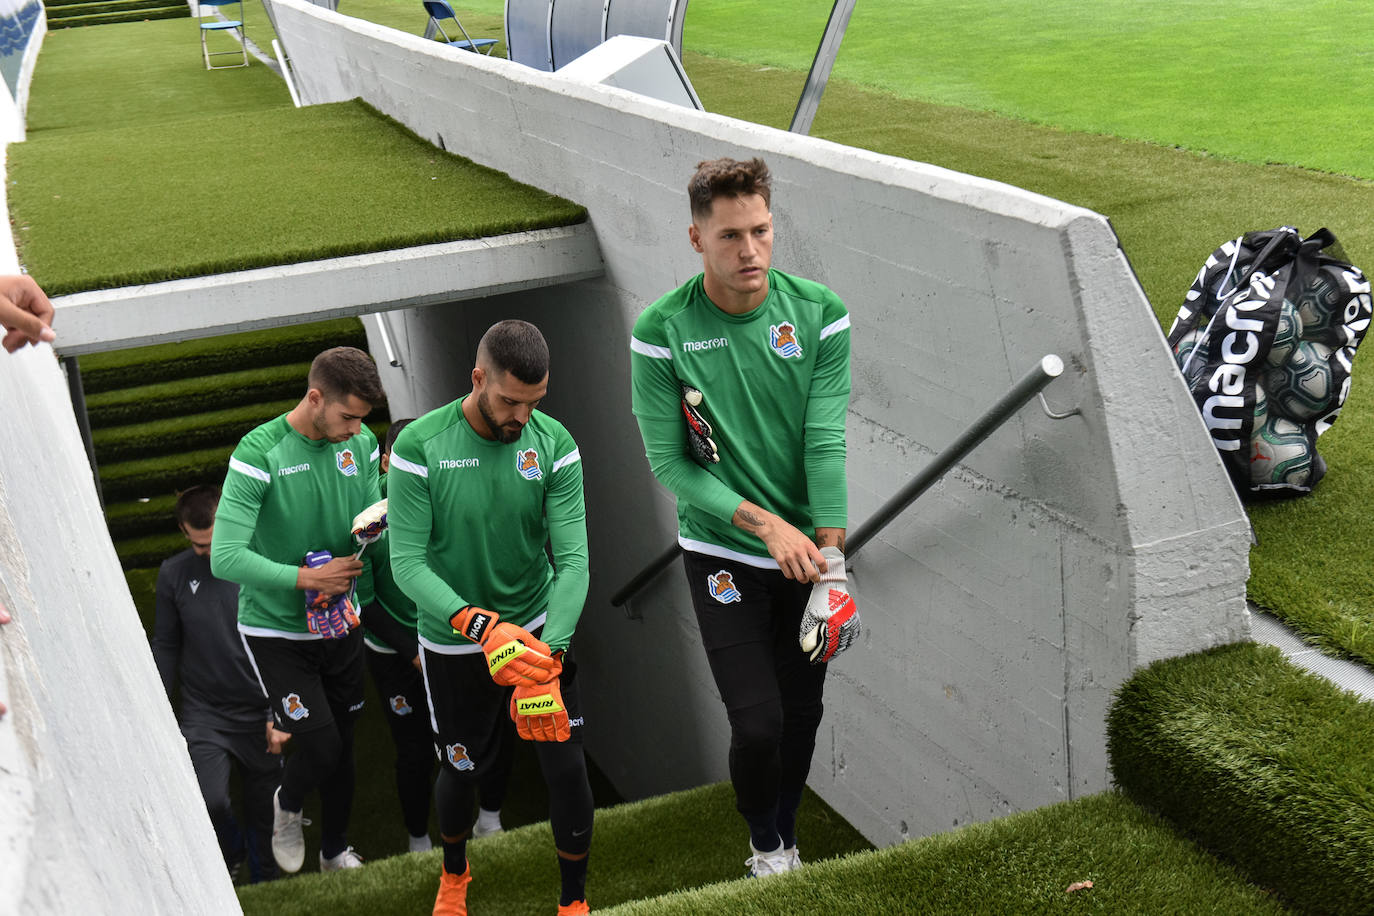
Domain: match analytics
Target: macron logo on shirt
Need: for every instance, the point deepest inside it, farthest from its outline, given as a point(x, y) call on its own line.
point(715, 343)
point(450, 463)
point(294, 469)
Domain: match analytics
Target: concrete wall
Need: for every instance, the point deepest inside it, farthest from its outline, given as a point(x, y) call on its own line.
point(1004, 607)
point(99, 808)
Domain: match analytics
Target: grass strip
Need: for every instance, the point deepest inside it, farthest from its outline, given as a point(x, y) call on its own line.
point(178, 433)
point(193, 359)
point(374, 184)
point(638, 849)
point(144, 73)
point(198, 394)
point(1265, 765)
point(133, 519)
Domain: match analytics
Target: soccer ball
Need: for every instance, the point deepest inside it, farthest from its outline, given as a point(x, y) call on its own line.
point(1287, 333)
point(1280, 454)
point(1185, 348)
point(1303, 388)
point(1261, 406)
point(1321, 303)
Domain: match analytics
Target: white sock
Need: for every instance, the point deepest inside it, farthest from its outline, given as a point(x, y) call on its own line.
point(488, 820)
point(421, 843)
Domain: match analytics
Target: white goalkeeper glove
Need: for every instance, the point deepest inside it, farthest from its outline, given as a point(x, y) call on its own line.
point(368, 525)
point(699, 442)
point(831, 621)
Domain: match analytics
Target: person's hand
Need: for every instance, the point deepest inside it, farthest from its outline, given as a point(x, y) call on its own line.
point(276, 739)
point(539, 713)
point(25, 312)
point(369, 524)
point(514, 657)
point(332, 578)
point(4, 618)
point(416, 662)
point(798, 556)
point(830, 623)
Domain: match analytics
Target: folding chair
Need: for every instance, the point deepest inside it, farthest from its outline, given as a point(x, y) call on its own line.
point(438, 10)
point(220, 25)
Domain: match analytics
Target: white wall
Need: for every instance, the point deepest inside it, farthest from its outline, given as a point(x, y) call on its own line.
point(1000, 611)
point(99, 809)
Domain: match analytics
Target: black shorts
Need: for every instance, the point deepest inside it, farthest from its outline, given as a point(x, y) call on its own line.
point(468, 709)
point(401, 688)
point(309, 682)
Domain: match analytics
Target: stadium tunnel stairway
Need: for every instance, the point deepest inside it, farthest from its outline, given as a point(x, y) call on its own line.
point(67, 14)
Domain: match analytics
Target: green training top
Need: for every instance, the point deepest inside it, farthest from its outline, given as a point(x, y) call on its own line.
point(396, 602)
point(775, 388)
point(469, 518)
point(284, 496)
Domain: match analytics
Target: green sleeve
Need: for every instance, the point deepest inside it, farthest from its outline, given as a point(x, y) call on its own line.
point(824, 447)
point(411, 518)
point(235, 521)
point(566, 514)
point(656, 396)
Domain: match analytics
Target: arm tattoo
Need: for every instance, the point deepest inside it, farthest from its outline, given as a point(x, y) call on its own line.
point(749, 518)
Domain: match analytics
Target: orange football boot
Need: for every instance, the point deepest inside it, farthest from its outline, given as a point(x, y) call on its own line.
point(576, 908)
point(453, 893)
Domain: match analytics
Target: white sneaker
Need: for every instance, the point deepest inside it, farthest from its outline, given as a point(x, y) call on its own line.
point(488, 822)
point(762, 864)
point(421, 843)
point(793, 858)
point(346, 859)
point(288, 840)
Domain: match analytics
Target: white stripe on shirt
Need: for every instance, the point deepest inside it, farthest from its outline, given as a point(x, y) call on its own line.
point(835, 327)
point(725, 553)
point(574, 455)
point(376, 453)
point(648, 349)
point(467, 648)
point(409, 467)
point(249, 470)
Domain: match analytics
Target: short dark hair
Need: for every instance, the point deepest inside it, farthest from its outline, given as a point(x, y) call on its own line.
point(728, 178)
point(393, 431)
point(196, 506)
point(343, 371)
point(516, 347)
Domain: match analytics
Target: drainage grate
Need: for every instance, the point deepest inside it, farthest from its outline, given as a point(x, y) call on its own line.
point(1265, 628)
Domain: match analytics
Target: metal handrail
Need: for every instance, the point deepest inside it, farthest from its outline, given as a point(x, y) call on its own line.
point(1031, 384)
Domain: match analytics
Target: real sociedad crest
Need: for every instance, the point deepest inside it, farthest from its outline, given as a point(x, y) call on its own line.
point(783, 339)
point(294, 708)
point(458, 756)
point(399, 706)
point(722, 587)
point(527, 463)
point(347, 466)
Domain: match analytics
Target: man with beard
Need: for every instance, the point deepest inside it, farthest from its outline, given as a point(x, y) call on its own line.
point(478, 488)
point(293, 488)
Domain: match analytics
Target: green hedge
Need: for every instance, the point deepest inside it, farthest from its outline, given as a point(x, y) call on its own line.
point(195, 395)
point(1265, 765)
point(134, 519)
point(148, 552)
point(173, 434)
point(208, 355)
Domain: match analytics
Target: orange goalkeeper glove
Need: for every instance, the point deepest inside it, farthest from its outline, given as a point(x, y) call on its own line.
point(514, 657)
point(539, 713)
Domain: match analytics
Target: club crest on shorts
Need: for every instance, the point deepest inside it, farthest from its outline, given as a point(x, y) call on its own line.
point(783, 339)
point(347, 466)
point(722, 587)
point(400, 707)
point(458, 756)
point(527, 463)
point(294, 708)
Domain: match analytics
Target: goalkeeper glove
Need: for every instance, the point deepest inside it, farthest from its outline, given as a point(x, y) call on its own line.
point(699, 442)
point(514, 657)
point(368, 525)
point(831, 621)
point(330, 616)
point(538, 712)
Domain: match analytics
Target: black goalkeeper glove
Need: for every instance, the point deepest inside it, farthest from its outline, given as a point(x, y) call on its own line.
point(699, 442)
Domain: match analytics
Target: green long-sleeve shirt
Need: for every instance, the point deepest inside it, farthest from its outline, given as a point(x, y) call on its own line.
point(775, 386)
point(284, 496)
point(469, 520)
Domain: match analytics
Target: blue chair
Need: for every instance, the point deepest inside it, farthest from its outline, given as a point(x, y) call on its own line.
point(221, 25)
point(439, 10)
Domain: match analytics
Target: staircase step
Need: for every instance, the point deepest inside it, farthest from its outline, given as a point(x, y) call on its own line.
point(195, 395)
point(165, 12)
point(210, 355)
point(149, 551)
point(174, 434)
point(135, 519)
point(87, 7)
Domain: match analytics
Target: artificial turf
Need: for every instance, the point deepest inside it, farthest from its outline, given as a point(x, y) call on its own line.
point(1021, 864)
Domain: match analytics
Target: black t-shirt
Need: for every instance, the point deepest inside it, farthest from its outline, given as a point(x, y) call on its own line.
point(196, 632)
